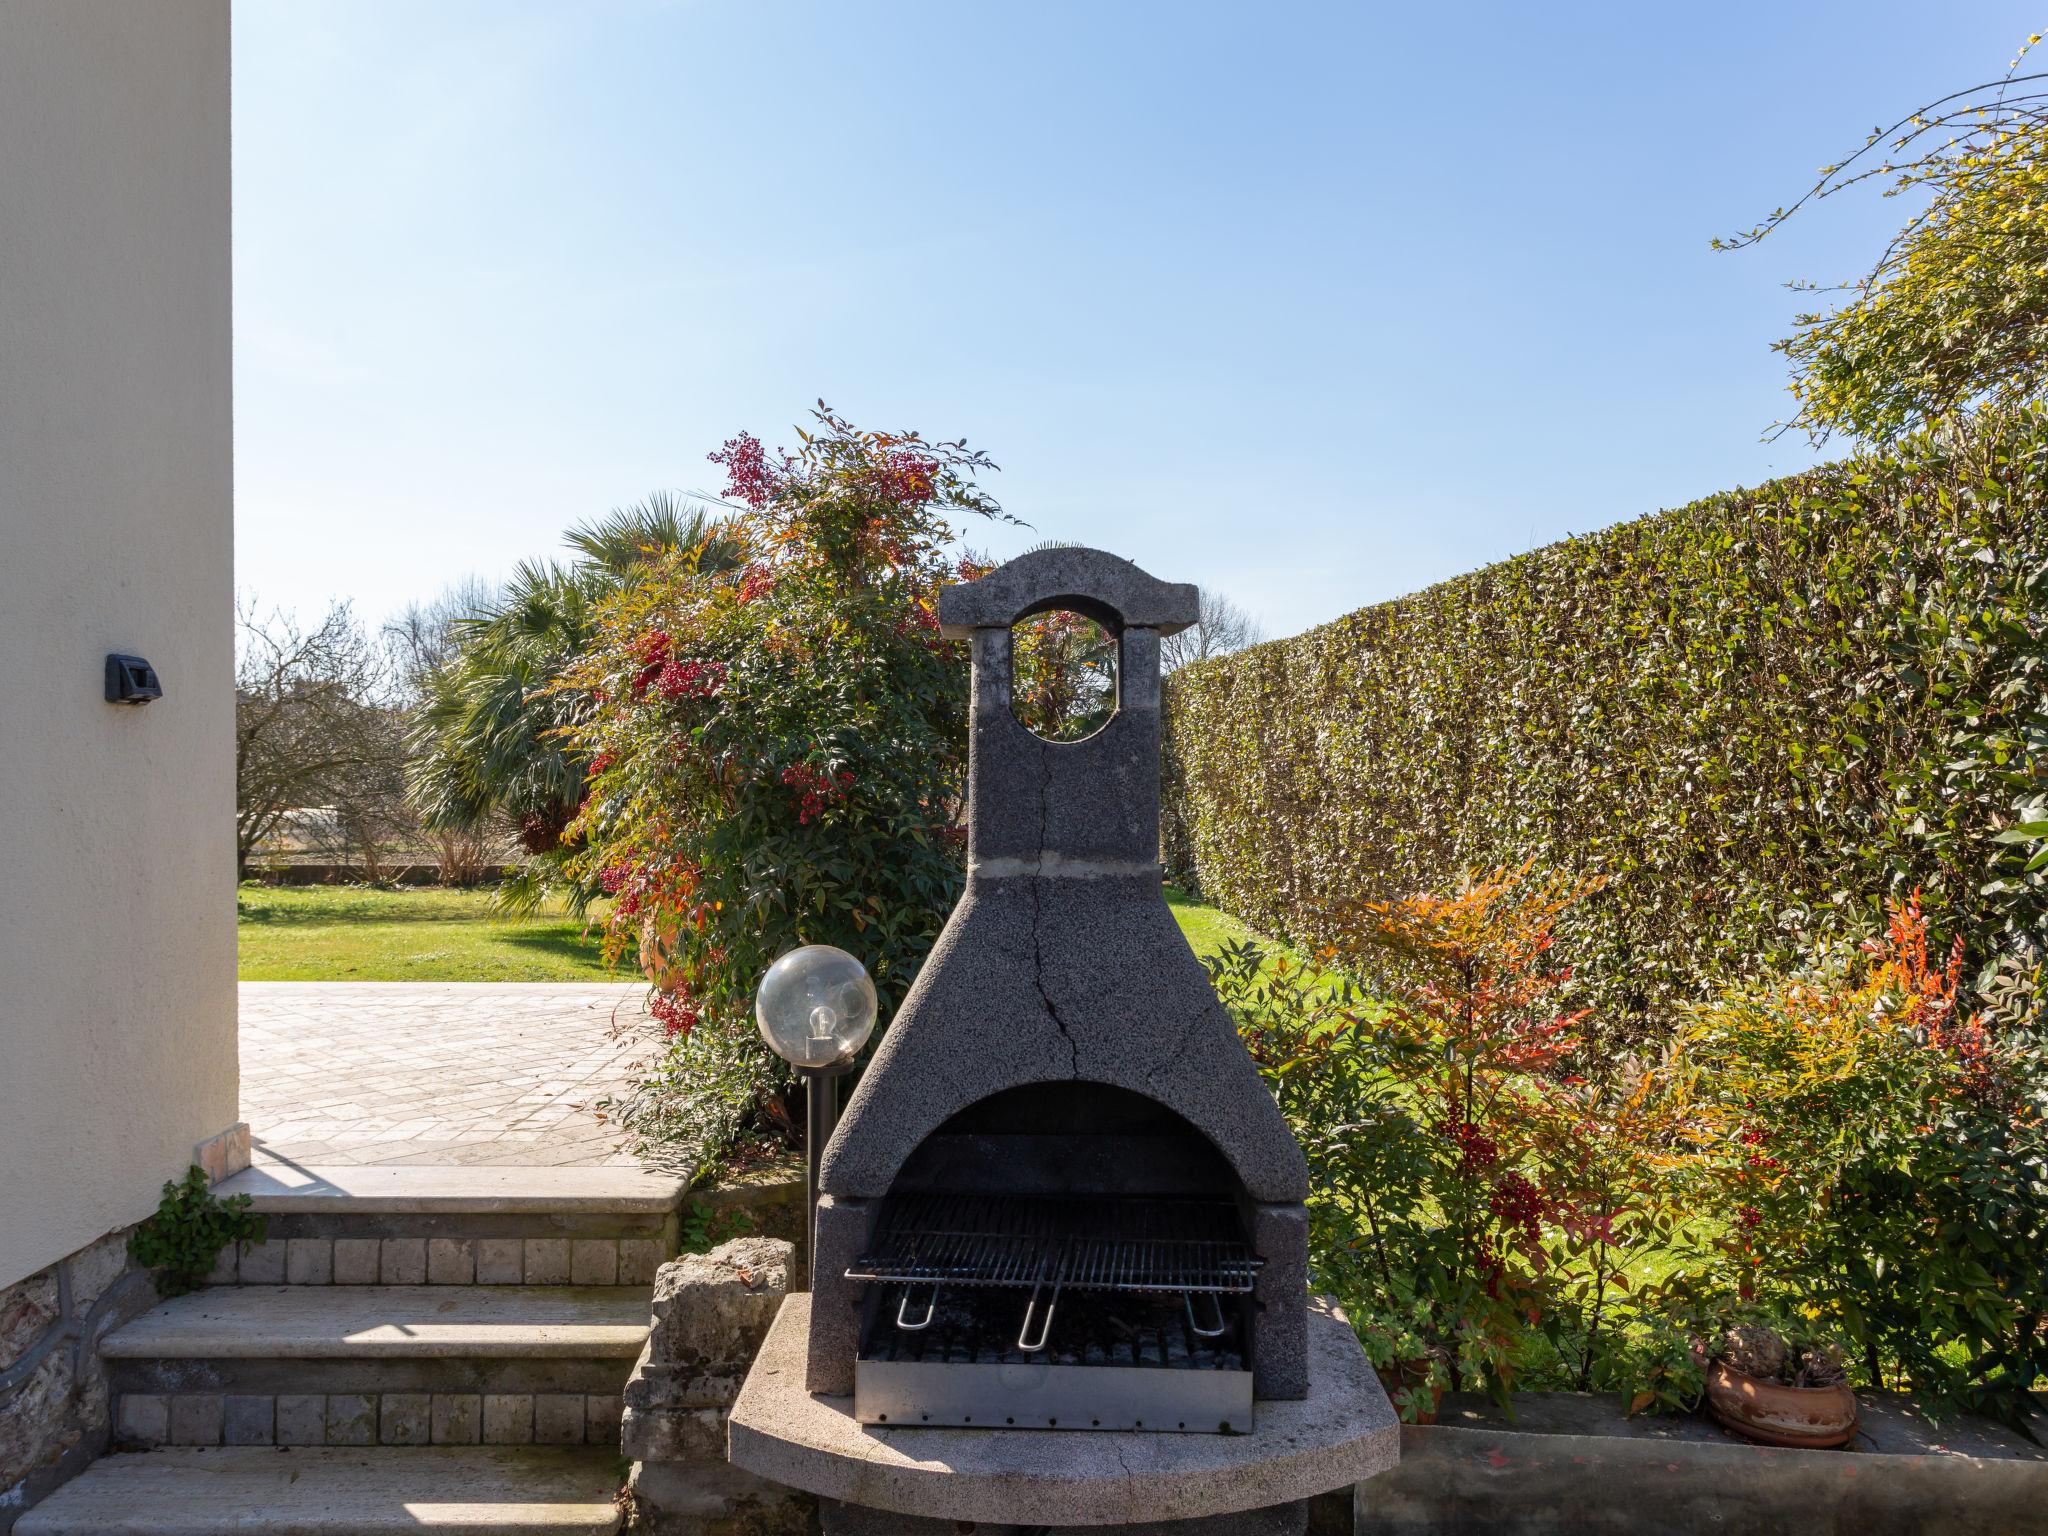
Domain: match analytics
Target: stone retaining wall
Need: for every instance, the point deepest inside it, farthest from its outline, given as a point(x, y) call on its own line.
point(53, 1390)
point(711, 1312)
point(1573, 1464)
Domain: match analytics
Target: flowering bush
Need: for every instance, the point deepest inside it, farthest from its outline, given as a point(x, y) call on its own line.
point(776, 753)
point(1064, 675)
point(1875, 1159)
point(1481, 1179)
point(1847, 1155)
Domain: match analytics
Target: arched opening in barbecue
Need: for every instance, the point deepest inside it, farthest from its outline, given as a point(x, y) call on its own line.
point(1082, 1231)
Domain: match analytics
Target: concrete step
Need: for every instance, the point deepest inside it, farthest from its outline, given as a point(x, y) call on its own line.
point(480, 1491)
point(455, 1226)
point(377, 1365)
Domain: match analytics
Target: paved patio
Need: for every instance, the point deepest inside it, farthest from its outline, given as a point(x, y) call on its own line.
point(438, 1074)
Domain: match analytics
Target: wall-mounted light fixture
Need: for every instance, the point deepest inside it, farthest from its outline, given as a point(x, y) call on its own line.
point(131, 680)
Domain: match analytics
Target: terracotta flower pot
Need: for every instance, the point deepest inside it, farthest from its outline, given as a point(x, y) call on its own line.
point(1810, 1418)
point(1411, 1373)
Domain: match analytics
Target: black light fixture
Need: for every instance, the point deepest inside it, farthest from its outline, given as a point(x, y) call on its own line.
point(132, 680)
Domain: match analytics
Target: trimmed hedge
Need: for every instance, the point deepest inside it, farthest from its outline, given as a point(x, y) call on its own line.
point(1757, 716)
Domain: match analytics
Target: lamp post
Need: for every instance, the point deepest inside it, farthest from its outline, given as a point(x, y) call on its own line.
point(816, 1009)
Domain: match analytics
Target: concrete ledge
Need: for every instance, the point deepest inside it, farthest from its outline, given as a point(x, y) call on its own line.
point(300, 1322)
point(1344, 1431)
point(1578, 1466)
point(386, 1491)
point(280, 1188)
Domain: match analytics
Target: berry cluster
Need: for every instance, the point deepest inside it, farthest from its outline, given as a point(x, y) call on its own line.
point(678, 1015)
point(748, 477)
point(681, 679)
point(1758, 1158)
point(757, 580)
point(1519, 1204)
point(815, 789)
point(909, 479)
point(627, 886)
point(1477, 1151)
point(651, 652)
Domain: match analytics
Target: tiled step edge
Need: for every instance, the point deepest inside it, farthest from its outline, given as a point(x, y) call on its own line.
point(275, 1188)
point(147, 1420)
point(403, 1322)
point(470, 1491)
point(366, 1260)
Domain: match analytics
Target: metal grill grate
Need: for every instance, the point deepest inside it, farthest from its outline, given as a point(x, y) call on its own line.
point(976, 1325)
point(1185, 1246)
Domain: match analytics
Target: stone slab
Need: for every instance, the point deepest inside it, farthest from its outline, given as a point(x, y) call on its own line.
point(1887, 1422)
point(439, 1074)
point(360, 1322)
point(1455, 1479)
point(280, 1188)
point(477, 1491)
point(1344, 1431)
point(1090, 581)
point(713, 1499)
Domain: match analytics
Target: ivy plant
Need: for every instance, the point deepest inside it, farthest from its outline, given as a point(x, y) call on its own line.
point(180, 1243)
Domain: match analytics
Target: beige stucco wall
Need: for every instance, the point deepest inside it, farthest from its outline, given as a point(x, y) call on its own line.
point(117, 943)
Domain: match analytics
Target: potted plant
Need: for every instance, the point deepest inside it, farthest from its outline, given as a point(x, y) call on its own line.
point(1775, 1387)
point(1414, 1371)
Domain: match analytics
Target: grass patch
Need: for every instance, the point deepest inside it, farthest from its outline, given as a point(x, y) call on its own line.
point(359, 933)
point(426, 933)
point(1207, 928)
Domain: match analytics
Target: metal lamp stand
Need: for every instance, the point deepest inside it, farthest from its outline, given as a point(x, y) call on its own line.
point(821, 1115)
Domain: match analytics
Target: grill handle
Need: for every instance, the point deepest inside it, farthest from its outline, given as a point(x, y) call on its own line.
point(931, 1307)
point(1025, 1344)
point(1222, 1324)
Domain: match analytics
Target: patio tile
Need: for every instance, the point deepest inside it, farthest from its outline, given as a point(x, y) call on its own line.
point(488, 1075)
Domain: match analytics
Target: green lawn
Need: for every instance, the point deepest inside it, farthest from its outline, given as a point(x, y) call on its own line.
point(352, 933)
point(1207, 928)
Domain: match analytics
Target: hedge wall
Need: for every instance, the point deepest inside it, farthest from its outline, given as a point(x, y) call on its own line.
point(1756, 715)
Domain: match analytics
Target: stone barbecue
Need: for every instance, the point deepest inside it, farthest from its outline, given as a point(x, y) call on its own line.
point(1062, 1212)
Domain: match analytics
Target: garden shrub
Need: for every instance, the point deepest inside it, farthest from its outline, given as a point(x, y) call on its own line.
point(1842, 1154)
point(1482, 1176)
point(1757, 717)
point(1872, 1154)
point(776, 754)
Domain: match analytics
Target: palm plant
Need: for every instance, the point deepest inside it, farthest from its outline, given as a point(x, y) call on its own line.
point(486, 743)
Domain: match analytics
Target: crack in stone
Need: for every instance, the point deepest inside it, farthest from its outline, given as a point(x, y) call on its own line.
point(1037, 914)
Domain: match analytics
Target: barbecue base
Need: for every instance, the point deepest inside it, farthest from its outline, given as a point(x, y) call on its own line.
point(1343, 1432)
point(850, 1520)
point(1038, 1396)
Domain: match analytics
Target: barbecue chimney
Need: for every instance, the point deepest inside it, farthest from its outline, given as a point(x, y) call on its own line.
point(1061, 1154)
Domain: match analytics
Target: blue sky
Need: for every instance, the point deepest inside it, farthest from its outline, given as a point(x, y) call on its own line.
point(1312, 304)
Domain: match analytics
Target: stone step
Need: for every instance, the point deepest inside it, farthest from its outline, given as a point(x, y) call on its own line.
point(481, 1491)
point(377, 1365)
point(455, 1226)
